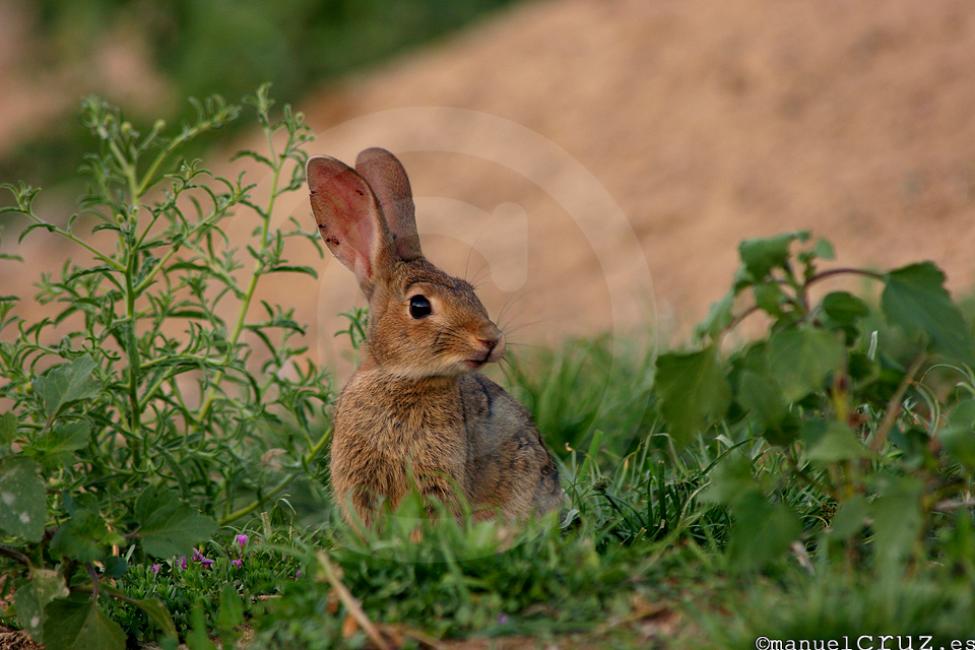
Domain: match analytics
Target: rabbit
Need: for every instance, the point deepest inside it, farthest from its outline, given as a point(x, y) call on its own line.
point(416, 412)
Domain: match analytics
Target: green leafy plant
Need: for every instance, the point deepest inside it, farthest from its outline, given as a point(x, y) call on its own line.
point(138, 409)
point(871, 429)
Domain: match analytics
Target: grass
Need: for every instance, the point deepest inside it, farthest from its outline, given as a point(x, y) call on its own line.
point(639, 555)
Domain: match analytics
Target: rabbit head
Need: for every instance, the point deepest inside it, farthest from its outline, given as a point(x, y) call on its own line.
point(422, 321)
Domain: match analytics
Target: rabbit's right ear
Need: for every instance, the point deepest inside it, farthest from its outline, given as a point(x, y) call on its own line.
point(389, 182)
point(349, 219)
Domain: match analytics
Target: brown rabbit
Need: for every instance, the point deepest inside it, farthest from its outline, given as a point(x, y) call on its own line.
point(416, 412)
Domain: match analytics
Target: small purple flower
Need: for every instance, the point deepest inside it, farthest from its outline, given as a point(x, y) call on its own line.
point(155, 569)
point(206, 562)
point(502, 619)
point(197, 556)
point(297, 574)
point(182, 562)
point(237, 562)
point(242, 540)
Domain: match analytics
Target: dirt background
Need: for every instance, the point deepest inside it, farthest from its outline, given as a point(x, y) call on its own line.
point(592, 165)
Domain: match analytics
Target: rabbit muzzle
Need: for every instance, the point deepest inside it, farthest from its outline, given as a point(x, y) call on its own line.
point(490, 347)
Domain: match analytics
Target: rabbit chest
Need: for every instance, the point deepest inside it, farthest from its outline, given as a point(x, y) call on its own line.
point(391, 433)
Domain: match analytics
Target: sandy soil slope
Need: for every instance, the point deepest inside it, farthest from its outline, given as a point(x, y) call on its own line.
point(705, 123)
point(566, 154)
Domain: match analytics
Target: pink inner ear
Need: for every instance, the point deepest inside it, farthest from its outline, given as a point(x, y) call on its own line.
point(346, 213)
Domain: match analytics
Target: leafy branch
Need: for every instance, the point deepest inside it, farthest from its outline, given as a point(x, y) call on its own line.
point(110, 455)
point(826, 401)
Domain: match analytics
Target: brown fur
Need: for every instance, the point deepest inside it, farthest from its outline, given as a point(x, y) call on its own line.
point(416, 411)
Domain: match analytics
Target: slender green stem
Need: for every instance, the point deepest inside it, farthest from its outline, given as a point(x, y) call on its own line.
point(91, 249)
point(145, 232)
point(132, 345)
point(895, 404)
point(154, 166)
point(845, 271)
point(177, 142)
point(238, 329)
point(151, 276)
point(132, 341)
point(175, 248)
point(14, 554)
point(181, 358)
point(95, 579)
point(801, 290)
point(67, 234)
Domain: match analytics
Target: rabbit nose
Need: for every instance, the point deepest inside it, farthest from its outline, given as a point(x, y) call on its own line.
point(495, 347)
point(488, 343)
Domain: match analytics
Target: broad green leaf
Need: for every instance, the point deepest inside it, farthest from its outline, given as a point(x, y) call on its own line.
point(785, 432)
point(915, 300)
point(693, 391)
point(67, 383)
point(84, 537)
point(231, 611)
point(897, 520)
point(762, 255)
point(844, 308)
point(914, 442)
point(76, 623)
point(23, 499)
point(849, 518)
point(754, 357)
point(958, 436)
point(116, 566)
point(837, 443)
point(769, 297)
point(45, 585)
point(762, 398)
point(731, 479)
point(8, 428)
point(197, 638)
point(166, 526)
point(812, 431)
point(760, 395)
point(718, 318)
point(823, 249)
point(157, 614)
point(58, 446)
point(762, 531)
point(801, 357)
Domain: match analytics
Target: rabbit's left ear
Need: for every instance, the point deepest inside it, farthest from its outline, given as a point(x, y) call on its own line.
point(349, 220)
point(389, 182)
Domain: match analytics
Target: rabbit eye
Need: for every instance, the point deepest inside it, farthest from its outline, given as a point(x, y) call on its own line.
point(420, 307)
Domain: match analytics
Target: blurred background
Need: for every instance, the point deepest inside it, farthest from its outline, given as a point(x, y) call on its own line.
point(698, 123)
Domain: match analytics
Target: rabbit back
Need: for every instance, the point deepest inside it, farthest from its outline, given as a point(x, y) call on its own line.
point(508, 467)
